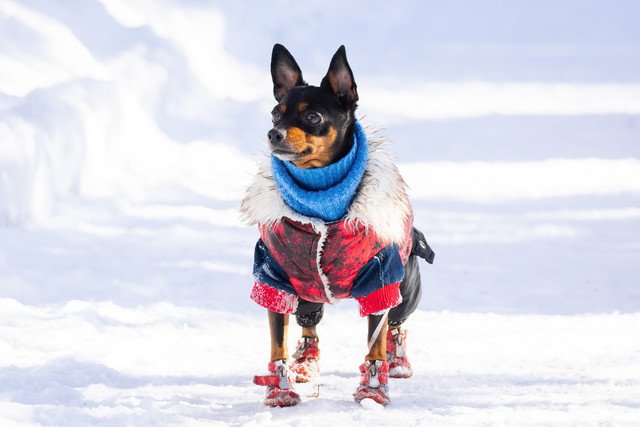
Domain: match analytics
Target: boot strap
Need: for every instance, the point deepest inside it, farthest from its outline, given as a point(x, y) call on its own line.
point(397, 336)
point(302, 346)
point(280, 378)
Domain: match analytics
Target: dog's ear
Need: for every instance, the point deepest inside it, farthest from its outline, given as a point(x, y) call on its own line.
point(285, 72)
point(339, 79)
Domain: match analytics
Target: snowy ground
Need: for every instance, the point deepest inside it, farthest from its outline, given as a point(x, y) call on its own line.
point(128, 131)
point(98, 363)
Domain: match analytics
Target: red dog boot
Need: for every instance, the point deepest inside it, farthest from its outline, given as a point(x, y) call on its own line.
point(399, 366)
point(278, 382)
point(373, 384)
point(307, 355)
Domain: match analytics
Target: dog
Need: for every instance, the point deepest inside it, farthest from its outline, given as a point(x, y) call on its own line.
point(335, 222)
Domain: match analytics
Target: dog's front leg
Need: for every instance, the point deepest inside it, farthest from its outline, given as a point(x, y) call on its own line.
point(279, 385)
point(278, 325)
point(375, 369)
point(378, 350)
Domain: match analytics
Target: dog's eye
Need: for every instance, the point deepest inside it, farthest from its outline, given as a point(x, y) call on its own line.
point(275, 116)
point(314, 118)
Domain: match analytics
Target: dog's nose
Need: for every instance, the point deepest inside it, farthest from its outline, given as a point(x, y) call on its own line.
point(275, 136)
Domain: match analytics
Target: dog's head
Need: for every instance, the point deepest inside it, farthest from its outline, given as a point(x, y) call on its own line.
point(312, 125)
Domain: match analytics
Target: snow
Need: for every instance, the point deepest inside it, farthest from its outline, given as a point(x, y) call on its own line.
point(371, 405)
point(443, 100)
point(500, 181)
point(130, 130)
point(96, 363)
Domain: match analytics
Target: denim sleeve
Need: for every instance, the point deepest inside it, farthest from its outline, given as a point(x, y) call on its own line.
point(385, 268)
point(267, 271)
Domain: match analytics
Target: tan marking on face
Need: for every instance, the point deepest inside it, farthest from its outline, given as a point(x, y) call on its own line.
point(302, 106)
point(282, 108)
point(296, 138)
point(321, 153)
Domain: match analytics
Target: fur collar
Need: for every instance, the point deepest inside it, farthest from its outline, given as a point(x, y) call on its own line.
point(381, 202)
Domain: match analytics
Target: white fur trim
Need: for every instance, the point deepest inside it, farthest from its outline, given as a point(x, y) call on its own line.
point(381, 202)
point(323, 277)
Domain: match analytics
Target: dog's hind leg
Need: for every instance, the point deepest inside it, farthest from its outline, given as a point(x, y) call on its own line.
point(309, 332)
point(411, 291)
point(308, 316)
point(307, 355)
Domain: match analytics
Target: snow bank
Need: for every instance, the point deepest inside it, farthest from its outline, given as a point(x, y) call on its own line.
point(88, 127)
point(160, 111)
point(109, 147)
point(45, 53)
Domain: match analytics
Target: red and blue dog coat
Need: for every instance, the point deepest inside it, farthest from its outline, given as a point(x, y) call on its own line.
point(361, 255)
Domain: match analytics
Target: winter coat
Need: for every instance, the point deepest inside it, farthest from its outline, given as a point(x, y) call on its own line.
point(360, 256)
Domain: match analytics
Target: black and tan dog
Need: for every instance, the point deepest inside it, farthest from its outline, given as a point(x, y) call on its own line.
point(335, 222)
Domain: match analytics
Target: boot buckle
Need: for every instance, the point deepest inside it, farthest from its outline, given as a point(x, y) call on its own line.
point(304, 344)
point(374, 382)
point(283, 374)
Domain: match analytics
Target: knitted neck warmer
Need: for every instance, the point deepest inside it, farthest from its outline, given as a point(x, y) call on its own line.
point(327, 192)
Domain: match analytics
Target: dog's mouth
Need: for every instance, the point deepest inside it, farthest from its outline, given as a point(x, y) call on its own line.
point(287, 155)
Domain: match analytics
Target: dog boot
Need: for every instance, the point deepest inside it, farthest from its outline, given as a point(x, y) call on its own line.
point(278, 382)
point(307, 355)
point(399, 366)
point(373, 383)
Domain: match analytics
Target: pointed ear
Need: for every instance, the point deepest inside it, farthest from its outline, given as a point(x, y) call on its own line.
point(339, 78)
point(285, 72)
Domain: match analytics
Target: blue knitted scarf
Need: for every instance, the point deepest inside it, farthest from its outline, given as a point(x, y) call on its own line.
point(327, 192)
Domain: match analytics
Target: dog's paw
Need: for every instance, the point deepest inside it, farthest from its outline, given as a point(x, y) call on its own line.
point(379, 394)
point(373, 383)
point(399, 367)
point(278, 382)
point(307, 357)
point(305, 370)
point(279, 397)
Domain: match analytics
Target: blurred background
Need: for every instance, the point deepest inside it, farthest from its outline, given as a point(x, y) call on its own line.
point(129, 131)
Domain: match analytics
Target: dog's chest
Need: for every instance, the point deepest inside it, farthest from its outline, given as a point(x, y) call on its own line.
point(322, 262)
